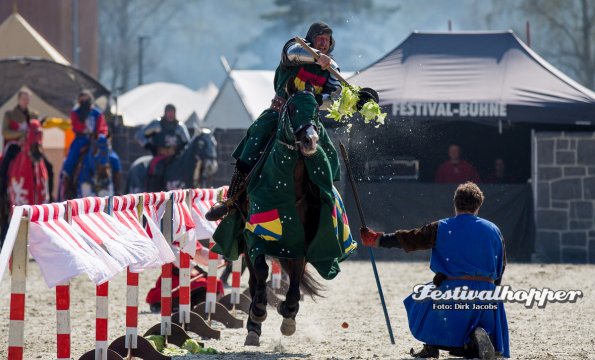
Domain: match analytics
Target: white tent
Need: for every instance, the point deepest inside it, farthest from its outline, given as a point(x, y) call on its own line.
point(244, 95)
point(19, 38)
point(147, 102)
point(241, 99)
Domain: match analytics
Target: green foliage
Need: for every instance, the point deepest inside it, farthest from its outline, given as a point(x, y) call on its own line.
point(346, 106)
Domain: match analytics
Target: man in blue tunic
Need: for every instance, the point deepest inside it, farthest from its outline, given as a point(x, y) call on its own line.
point(467, 251)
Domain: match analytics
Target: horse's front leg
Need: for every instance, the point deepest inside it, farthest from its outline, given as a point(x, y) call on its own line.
point(259, 271)
point(289, 308)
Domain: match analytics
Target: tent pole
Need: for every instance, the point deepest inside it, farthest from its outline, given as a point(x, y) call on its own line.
point(534, 172)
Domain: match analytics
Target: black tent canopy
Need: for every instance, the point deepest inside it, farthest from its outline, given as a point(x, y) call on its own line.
point(484, 77)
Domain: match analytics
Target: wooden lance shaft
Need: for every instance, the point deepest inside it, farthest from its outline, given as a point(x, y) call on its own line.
point(370, 252)
point(316, 55)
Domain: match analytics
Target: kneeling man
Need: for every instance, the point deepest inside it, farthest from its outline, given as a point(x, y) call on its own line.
point(467, 254)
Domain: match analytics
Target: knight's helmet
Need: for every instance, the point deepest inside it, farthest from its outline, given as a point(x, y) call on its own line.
point(319, 28)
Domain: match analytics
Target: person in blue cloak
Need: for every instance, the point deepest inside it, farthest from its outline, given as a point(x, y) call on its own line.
point(467, 254)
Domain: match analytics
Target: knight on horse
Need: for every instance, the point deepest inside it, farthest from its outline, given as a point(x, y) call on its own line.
point(281, 200)
point(15, 128)
point(88, 123)
point(165, 138)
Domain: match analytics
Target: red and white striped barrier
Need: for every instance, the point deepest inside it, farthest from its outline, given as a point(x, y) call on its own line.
point(211, 298)
point(63, 321)
point(100, 245)
point(16, 331)
point(236, 274)
point(276, 274)
point(154, 210)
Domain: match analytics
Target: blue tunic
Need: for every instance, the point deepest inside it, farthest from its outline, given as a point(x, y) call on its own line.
point(465, 245)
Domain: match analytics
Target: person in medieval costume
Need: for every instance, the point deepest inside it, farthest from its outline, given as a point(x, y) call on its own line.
point(467, 251)
point(299, 66)
point(14, 130)
point(165, 138)
point(87, 123)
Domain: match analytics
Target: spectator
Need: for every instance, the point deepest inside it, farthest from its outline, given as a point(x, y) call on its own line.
point(456, 170)
point(499, 175)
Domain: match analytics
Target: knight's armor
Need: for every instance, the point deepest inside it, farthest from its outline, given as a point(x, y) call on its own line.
point(163, 137)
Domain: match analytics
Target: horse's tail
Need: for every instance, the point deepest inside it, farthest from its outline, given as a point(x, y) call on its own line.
point(309, 285)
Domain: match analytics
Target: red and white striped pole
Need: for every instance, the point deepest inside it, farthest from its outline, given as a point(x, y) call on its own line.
point(184, 274)
point(63, 310)
point(16, 330)
point(131, 310)
point(63, 321)
point(236, 274)
point(130, 341)
point(211, 298)
point(101, 314)
point(276, 274)
point(166, 270)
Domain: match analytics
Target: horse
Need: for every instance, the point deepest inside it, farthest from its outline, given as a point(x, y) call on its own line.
point(299, 227)
point(28, 175)
point(96, 174)
point(195, 163)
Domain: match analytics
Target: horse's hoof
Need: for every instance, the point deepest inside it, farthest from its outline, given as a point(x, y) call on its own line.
point(252, 339)
point(288, 326)
point(256, 318)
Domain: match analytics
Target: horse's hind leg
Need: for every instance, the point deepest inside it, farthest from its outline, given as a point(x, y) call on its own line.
point(258, 275)
point(290, 307)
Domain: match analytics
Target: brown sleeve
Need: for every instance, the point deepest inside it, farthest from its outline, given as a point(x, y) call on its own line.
point(7, 133)
point(410, 240)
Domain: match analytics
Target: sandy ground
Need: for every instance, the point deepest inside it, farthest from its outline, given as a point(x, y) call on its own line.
point(560, 331)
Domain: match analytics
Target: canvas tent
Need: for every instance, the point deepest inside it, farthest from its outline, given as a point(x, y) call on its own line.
point(28, 61)
point(19, 38)
point(485, 91)
point(147, 102)
point(242, 98)
point(476, 76)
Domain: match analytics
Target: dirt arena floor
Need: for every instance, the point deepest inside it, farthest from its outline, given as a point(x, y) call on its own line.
point(560, 331)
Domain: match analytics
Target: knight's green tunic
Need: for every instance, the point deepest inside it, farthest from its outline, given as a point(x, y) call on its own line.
point(259, 133)
point(273, 226)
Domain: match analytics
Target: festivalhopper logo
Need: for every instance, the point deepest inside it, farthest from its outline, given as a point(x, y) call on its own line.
point(530, 298)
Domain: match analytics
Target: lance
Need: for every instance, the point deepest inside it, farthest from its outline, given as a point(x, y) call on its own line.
point(370, 251)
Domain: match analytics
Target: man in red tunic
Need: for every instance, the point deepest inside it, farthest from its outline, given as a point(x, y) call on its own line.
point(456, 170)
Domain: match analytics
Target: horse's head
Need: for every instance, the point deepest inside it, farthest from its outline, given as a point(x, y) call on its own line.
point(100, 156)
point(302, 111)
point(205, 151)
point(34, 139)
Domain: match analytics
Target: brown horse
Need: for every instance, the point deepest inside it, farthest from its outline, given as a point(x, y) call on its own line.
point(302, 138)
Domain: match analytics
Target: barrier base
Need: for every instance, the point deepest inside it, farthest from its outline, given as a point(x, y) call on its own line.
point(197, 325)
point(111, 355)
point(244, 304)
point(144, 349)
point(177, 337)
point(221, 315)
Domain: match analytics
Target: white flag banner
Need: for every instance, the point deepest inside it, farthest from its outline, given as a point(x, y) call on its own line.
point(182, 223)
point(124, 245)
point(61, 252)
point(202, 200)
point(126, 212)
point(153, 210)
